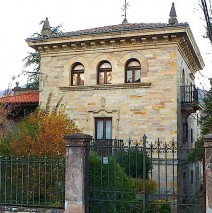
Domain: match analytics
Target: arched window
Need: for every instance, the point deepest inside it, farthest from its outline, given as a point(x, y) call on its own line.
point(77, 74)
point(133, 71)
point(104, 73)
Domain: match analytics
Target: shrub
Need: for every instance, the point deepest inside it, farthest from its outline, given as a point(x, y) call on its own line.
point(159, 206)
point(109, 183)
point(131, 160)
point(39, 134)
point(196, 154)
point(151, 186)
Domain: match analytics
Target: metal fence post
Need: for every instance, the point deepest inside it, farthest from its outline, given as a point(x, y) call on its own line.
point(76, 176)
point(207, 139)
point(144, 173)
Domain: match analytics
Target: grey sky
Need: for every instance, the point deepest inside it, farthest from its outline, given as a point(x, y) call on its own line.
point(20, 19)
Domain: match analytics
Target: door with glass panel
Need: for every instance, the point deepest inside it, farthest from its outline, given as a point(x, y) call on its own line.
point(103, 135)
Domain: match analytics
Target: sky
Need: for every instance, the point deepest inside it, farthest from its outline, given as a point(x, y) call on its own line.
point(19, 19)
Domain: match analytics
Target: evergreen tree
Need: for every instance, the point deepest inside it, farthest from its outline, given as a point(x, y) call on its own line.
point(207, 112)
point(33, 58)
point(197, 154)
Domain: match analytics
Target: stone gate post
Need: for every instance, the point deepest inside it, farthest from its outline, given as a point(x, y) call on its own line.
point(76, 176)
point(207, 139)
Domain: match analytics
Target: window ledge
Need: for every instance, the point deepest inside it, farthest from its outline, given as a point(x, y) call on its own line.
point(107, 86)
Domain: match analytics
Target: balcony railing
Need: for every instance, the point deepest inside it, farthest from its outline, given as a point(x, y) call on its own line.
point(189, 97)
point(105, 147)
point(189, 94)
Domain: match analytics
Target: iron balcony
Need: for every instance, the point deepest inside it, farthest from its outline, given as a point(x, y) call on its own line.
point(189, 99)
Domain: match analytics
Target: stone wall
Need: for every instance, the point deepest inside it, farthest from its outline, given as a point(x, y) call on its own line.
point(18, 209)
point(149, 107)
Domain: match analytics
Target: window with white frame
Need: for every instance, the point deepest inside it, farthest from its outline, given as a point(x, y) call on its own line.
point(103, 128)
point(133, 71)
point(104, 73)
point(77, 74)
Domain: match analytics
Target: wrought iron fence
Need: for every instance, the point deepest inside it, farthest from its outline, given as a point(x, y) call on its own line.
point(137, 176)
point(37, 182)
point(110, 187)
point(124, 176)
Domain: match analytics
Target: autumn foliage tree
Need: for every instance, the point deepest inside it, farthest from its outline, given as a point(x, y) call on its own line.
point(6, 110)
point(3, 118)
point(40, 134)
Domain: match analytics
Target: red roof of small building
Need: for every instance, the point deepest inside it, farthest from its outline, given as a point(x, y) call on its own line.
point(32, 97)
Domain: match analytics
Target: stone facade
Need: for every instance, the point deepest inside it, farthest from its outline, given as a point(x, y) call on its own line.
point(168, 57)
point(135, 109)
point(151, 106)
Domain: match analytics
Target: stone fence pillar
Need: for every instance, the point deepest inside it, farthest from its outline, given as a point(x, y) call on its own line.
point(207, 139)
point(76, 176)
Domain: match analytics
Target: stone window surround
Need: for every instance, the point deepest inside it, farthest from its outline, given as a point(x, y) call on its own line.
point(106, 113)
point(116, 63)
point(98, 71)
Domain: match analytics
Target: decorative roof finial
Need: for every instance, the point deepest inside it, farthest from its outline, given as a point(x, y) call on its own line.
point(125, 7)
point(16, 88)
point(46, 30)
point(173, 15)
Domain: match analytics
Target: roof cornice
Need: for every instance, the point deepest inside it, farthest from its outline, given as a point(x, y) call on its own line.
point(179, 34)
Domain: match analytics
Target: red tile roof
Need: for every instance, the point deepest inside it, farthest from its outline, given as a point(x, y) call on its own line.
point(32, 97)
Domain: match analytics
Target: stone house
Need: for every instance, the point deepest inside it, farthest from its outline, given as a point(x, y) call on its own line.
point(125, 80)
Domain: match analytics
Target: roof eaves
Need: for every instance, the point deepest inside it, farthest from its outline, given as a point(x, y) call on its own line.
point(195, 48)
point(87, 32)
